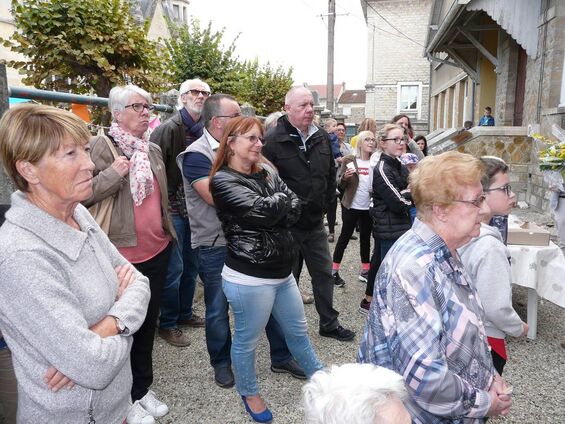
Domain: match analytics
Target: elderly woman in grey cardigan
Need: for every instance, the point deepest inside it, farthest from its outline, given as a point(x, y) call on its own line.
point(69, 302)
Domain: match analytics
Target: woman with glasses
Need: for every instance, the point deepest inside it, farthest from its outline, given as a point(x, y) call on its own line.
point(256, 209)
point(130, 169)
point(426, 321)
point(355, 181)
point(487, 260)
point(391, 194)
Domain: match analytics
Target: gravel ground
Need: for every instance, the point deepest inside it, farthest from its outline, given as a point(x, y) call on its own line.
point(184, 378)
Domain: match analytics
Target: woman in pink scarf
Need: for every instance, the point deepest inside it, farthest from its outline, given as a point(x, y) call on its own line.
point(133, 173)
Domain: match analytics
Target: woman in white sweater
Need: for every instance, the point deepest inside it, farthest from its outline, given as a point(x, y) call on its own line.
point(487, 261)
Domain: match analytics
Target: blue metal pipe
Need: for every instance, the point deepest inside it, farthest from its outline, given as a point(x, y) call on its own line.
point(55, 96)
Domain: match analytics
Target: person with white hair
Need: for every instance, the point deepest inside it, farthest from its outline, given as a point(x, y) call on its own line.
point(130, 168)
point(271, 120)
point(355, 394)
point(173, 136)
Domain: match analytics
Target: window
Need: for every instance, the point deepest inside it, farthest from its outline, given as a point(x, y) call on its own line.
point(176, 11)
point(409, 97)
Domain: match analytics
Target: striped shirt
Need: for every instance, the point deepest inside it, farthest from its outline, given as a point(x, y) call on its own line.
point(426, 323)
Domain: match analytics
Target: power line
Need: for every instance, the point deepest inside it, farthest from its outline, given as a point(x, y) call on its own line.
point(394, 27)
point(400, 33)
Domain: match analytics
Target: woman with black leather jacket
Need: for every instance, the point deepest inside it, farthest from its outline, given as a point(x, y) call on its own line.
point(256, 208)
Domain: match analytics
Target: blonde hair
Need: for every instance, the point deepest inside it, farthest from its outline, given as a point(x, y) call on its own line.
point(439, 180)
point(383, 132)
point(329, 123)
point(360, 140)
point(30, 131)
point(368, 124)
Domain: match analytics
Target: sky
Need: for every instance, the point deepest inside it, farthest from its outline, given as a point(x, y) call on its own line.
point(292, 33)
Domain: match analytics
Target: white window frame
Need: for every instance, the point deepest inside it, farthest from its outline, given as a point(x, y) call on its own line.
point(418, 109)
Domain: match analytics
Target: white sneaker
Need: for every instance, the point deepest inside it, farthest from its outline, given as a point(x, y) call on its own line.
point(138, 415)
point(153, 405)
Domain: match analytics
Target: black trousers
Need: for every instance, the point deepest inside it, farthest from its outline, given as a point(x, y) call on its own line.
point(155, 269)
point(375, 264)
point(498, 362)
point(352, 217)
point(332, 215)
point(313, 245)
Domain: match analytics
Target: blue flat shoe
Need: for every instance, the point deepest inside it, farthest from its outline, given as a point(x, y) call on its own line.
point(261, 417)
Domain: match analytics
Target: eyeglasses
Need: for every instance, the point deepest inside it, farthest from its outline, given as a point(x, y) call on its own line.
point(235, 115)
point(507, 188)
point(196, 93)
point(397, 140)
point(138, 107)
point(478, 202)
point(369, 139)
point(252, 138)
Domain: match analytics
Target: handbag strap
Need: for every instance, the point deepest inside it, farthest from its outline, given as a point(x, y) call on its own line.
point(111, 146)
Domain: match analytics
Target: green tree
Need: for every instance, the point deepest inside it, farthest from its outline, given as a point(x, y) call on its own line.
point(265, 87)
point(198, 52)
point(83, 46)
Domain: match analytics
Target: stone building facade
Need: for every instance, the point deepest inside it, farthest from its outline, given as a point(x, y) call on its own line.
point(398, 75)
point(507, 54)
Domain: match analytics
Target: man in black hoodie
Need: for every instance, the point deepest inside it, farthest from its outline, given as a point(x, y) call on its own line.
point(302, 154)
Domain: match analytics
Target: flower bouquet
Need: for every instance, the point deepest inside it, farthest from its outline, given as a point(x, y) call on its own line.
point(551, 162)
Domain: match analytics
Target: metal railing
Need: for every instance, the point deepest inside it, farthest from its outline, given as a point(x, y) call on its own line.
point(55, 96)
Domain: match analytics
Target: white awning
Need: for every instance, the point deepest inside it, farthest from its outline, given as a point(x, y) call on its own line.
point(519, 18)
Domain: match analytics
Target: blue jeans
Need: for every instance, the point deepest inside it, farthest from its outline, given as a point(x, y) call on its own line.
point(178, 293)
point(218, 335)
point(252, 306)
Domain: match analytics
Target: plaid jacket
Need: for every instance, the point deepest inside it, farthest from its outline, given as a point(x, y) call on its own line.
point(426, 323)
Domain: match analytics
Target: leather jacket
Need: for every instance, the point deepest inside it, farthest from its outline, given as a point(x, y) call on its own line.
point(256, 211)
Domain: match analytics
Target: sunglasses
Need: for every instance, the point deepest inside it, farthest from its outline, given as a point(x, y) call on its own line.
point(196, 93)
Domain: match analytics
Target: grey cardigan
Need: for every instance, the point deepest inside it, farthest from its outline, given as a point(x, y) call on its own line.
point(55, 283)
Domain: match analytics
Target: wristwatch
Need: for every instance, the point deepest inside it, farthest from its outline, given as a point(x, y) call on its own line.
point(120, 326)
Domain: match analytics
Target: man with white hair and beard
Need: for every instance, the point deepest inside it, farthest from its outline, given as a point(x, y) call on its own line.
point(174, 136)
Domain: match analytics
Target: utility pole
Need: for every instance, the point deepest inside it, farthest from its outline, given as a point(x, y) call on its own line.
point(330, 81)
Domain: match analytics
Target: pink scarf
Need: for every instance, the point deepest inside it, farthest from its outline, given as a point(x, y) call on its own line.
point(136, 149)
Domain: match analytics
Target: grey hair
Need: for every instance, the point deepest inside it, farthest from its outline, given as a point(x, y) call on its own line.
point(213, 107)
point(293, 91)
point(360, 137)
point(186, 86)
point(120, 95)
point(271, 120)
point(350, 393)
